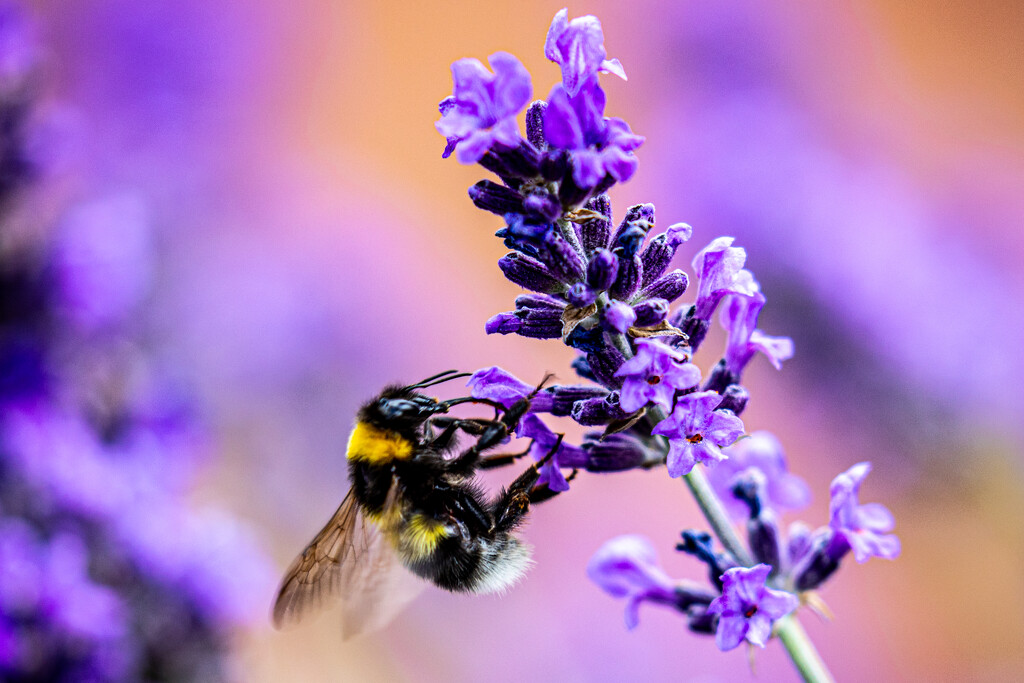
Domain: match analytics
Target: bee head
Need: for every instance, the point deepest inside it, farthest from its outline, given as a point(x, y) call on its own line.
point(399, 409)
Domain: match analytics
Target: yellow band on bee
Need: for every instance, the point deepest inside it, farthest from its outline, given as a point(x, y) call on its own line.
point(377, 446)
point(420, 536)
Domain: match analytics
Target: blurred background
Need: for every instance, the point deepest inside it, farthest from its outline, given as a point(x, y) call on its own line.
point(278, 237)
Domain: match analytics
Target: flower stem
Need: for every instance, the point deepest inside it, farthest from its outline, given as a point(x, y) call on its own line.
point(789, 630)
point(716, 515)
point(802, 651)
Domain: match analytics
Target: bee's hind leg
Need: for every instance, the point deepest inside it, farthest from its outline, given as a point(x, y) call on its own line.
point(513, 503)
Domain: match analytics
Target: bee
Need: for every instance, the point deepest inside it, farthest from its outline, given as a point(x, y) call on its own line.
point(413, 503)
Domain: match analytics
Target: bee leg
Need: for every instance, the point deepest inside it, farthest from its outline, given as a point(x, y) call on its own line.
point(539, 494)
point(488, 462)
point(513, 503)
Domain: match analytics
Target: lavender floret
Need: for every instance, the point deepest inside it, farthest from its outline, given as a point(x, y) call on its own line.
point(747, 608)
point(484, 107)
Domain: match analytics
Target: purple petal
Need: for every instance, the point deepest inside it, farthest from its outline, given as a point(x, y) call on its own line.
point(471, 78)
point(562, 126)
point(471, 148)
point(776, 349)
point(776, 604)
point(759, 628)
point(632, 613)
point(746, 584)
point(723, 428)
point(680, 459)
point(875, 517)
point(707, 452)
point(499, 385)
point(512, 86)
point(613, 66)
point(730, 632)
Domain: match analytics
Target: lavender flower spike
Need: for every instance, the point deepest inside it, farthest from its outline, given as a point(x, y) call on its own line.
point(654, 375)
point(862, 527)
point(747, 608)
point(627, 566)
point(483, 107)
point(578, 47)
point(697, 432)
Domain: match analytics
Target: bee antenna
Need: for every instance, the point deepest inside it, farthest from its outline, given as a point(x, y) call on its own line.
point(439, 378)
point(471, 399)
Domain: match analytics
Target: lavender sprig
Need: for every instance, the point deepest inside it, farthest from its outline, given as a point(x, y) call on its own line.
point(605, 289)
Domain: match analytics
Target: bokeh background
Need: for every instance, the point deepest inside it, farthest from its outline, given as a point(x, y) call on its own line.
point(309, 245)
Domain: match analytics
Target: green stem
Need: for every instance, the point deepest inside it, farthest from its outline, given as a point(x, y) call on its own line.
point(789, 630)
point(802, 651)
point(717, 517)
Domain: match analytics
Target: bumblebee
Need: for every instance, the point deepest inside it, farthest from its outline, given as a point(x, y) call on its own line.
point(413, 503)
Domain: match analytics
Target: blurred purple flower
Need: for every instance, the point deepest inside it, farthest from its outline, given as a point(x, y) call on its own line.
point(627, 567)
point(482, 110)
point(697, 432)
point(654, 375)
point(863, 528)
point(747, 608)
point(762, 451)
point(103, 261)
point(578, 47)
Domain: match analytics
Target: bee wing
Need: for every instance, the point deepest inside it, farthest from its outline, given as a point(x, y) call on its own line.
point(349, 559)
point(383, 586)
point(329, 567)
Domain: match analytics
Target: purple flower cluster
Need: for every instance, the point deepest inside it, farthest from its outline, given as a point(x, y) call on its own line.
point(608, 290)
point(106, 572)
point(745, 602)
point(571, 151)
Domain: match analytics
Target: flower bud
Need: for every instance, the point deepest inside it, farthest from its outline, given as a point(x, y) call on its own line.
point(523, 235)
point(602, 270)
point(668, 287)
point(581, 296)
point(615, 453)
point(618, 317)
point(542, 204)
point(529, 273)
point(699, 544)
point(594, 233)
point(734, 398)
point(819, 563)
point(490, 196)
point(627, 281)
point(630, 241)
point(562, 258)
point(565, 396)
point(635, 213)
point(604, 362)
point(535, 124)
point(592, 412)
point(650, 312)
point(522, 162)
